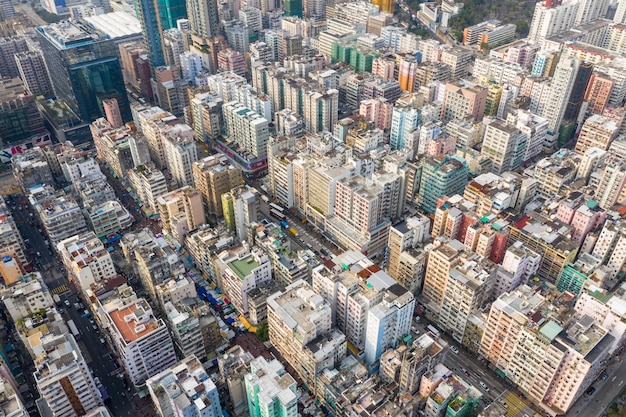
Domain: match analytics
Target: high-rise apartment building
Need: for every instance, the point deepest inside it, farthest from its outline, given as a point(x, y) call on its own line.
point(203, 18)
point(8, 48)
point(62, 376)
point(547, 238)
point(405, 235)
point(33, 71)
point(504, 145)
point(240, 207)
point(404, 123)
point(243, 273)
point(320, 110)
point(300, 326)
point(246, 128)
point(214, 176)
point(60, 215)
point(388, 321)
point(181, 211)
point(441, 176)
point(596, 132)
point(185, 329)
point(552, 17)
point(552, 363)
point(172, 394)
point(440, 262)
point(179, 148)
point(468, 288)
point(560, 89)
point(271, 391)
point(94, 74)
point(149, 184)
point(86, 259)
point(143, 342)
point(156, 17)
point(598, 92)
point(20, 118)
point(462, 99)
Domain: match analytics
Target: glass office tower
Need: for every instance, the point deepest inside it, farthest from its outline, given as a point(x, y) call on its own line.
point(84, 68)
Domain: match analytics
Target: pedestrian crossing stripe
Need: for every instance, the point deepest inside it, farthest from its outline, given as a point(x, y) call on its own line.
point(61, 289)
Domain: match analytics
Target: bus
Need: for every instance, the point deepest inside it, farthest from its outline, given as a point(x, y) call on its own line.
point(73, 329)
point(276, 207)
point(277, 214)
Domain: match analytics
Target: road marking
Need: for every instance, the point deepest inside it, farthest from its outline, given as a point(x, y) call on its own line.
point(614, 378)
point(620, 383)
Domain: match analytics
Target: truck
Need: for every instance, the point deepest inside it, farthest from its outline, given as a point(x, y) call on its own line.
point(265, 199)
point(293, 231)
point(57, 299)
point(73, 329)
point(284, 224)
point(432, 330)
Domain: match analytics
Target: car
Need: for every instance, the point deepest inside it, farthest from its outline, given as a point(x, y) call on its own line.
point(464, 370)
point(91, 321)
point(97, 381)
point(591, 390)
point(485, 387)
point(93, 326)
point(67, 303)
point(454, 349)
point(102, 340)
point(504, 404)
point(605, 377)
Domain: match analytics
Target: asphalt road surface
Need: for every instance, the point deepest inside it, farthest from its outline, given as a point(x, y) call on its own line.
point(100, 359)
point(595, 404)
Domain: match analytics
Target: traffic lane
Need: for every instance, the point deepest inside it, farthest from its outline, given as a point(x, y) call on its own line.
point(102, 362)
point(306, 238)
point(476, 375)
point(606, 391)
point(264, 209)
point(29, 227)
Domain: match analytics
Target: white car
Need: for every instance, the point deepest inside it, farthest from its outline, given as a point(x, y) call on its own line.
point(485, 387)
point(454, 349)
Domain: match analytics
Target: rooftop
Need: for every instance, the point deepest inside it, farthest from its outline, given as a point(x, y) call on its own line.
point(243, 267)
point(134, 321)
point(116, 24)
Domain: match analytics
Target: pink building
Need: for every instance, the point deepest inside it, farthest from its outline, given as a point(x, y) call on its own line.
point(441, 145)
point(112, 112)
point(587, 217)
point(384, 68)
point(378, 111)
point(229, 60)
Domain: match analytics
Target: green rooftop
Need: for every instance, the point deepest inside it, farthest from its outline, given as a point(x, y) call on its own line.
point(244, 267)
point(551, 330)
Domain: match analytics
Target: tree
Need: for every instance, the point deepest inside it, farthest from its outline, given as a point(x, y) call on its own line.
point(262, 332)
point(521, 27)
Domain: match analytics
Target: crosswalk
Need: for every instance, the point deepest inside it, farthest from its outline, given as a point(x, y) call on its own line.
point(515, 405)
point(60, 290)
